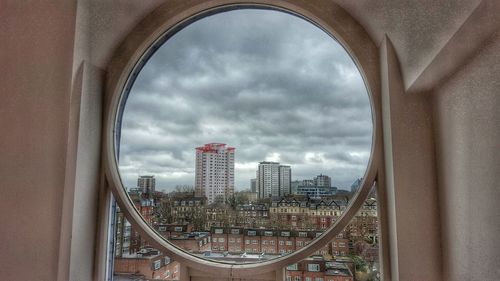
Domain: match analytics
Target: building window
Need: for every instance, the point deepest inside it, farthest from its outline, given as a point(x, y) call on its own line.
point(313, 267)
point(217, 194)
point(157, 264)
point(292, 267)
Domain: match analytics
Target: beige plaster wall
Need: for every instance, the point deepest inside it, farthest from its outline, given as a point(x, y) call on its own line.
point(36, 56)
point(467, 126)
point(414, 229)
point(418, 29)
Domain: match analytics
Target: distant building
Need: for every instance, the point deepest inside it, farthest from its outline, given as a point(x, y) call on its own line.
point(123, 233)
point(268, 179)
point(273, 180)
point(186, 208)
point(253, 185)
point(319, 268)
point(318, 187)
point(146, 184)
point(254, 215)
point(323, 181)
point(285, 180)
point(214, 175)
point(145, 206)
point(148, 264)
point(194, 242)
point(173, 230)
point(249, 196)
point(308, 182)
point(303, 213)
point(294, 186)
point(315, 191)
point(356, 184)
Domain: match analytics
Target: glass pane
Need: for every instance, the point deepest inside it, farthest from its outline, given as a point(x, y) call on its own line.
point(352, 256)
point(243, 132)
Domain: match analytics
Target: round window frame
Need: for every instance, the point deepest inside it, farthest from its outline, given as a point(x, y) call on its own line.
point(170, 17)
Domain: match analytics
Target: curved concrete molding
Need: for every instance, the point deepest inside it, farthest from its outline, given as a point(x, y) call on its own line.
point(462, 46)
point(329, 16)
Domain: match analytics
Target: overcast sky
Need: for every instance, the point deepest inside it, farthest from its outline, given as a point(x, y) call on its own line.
point(270, 84)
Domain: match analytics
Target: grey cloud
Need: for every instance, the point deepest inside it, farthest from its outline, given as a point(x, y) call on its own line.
point(261, 81)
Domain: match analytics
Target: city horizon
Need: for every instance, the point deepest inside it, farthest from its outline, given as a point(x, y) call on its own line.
point(191, 185)
point(271, 101)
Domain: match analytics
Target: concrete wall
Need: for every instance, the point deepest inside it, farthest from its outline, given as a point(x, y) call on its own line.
point(414, 230)
point(467, 128)
point(36, 56)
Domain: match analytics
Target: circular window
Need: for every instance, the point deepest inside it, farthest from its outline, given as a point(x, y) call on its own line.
point(241, 136)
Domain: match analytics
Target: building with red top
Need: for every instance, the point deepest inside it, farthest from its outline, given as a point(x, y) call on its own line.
point(214, 174)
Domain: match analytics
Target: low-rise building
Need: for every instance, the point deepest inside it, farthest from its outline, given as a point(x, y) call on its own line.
point(195, 242)
point(148, 263)
point(173, 229)
point(317, 268)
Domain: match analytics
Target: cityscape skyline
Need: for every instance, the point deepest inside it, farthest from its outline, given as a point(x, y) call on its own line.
point(146, 179)
point(245, 182)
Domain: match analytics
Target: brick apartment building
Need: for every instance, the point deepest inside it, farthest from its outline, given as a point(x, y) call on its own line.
point(147, 263)
point(195, 242)
point(254, 215)
point(173, 230)
point(300, 213)
point(268, 241)
point(318, 268)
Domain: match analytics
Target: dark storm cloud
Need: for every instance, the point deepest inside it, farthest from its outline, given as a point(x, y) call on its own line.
point(270, 84)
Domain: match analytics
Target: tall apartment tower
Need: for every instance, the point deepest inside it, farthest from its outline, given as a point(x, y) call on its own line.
point(273, 180)
point(146, 184)
point(214, 175)
point(253, 185)
point(285, 180)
